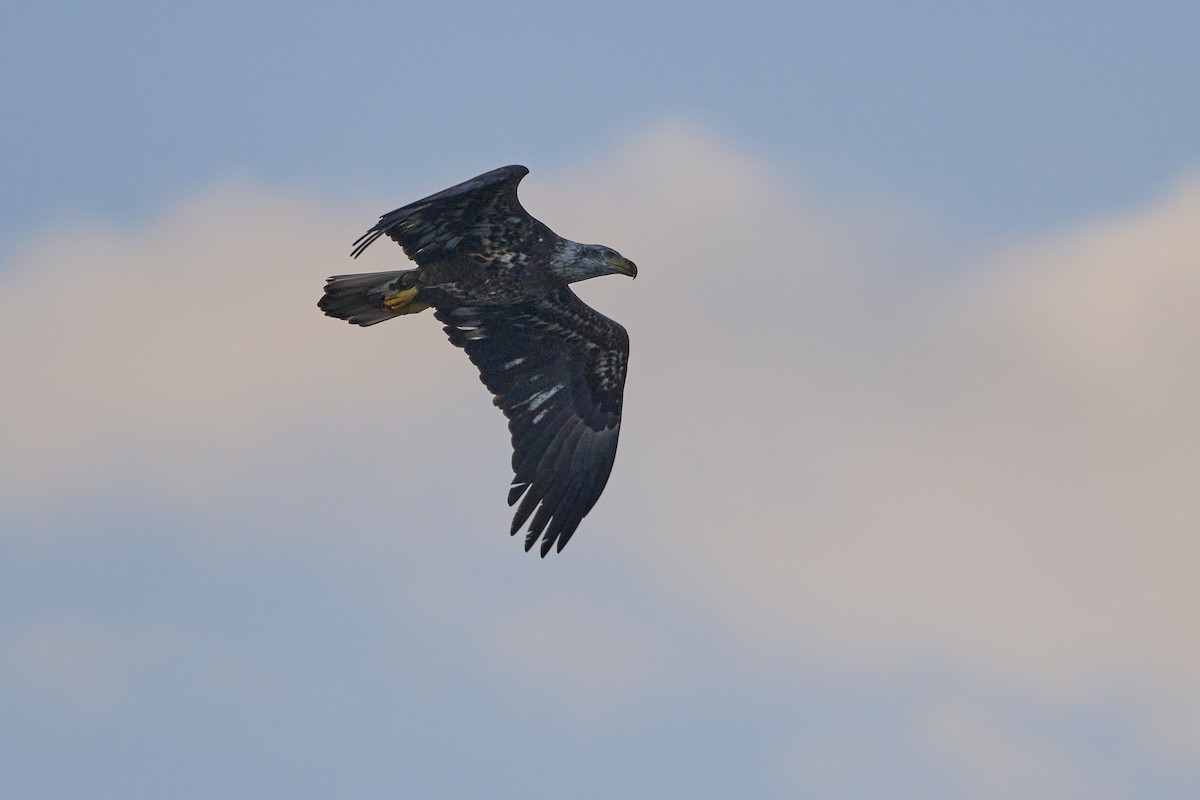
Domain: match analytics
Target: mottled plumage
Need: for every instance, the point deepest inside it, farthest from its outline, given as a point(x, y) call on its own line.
point(498, 280)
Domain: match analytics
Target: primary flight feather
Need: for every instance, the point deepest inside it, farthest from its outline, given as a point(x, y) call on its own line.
point(498, 280)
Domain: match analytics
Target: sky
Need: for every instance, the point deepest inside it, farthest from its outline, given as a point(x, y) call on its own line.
point(906, 494)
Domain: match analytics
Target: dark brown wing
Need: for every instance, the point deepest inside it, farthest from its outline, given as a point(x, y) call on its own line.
point(557, 369)
point(479, 218)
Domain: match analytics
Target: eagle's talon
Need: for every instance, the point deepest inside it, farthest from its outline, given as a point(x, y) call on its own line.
point(400, 299)
point(402, 302)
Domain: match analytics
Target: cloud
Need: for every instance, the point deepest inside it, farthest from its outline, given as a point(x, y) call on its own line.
point(997, 473)
point(992, 759)
point(590, 659)
point(992, 472)
point(70, 663)
point(165, 360)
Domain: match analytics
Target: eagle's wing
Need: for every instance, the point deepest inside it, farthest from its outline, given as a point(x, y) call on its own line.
point(480, 217)
point(557, 368)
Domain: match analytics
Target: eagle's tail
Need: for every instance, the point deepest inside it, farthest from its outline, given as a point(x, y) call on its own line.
point(371, 297)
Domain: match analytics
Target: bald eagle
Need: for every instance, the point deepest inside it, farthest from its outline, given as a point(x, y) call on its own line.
point(498, 280)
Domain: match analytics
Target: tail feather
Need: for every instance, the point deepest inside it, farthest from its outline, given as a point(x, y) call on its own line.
point(359, 298)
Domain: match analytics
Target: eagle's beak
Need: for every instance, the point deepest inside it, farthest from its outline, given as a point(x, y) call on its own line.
point(623, 265)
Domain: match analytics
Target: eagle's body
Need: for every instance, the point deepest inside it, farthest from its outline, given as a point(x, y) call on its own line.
point(498, 279)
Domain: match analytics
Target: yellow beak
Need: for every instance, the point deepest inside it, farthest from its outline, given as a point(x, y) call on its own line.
point(623, 265)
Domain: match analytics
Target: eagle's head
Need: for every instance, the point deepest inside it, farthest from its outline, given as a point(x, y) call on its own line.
point(577, 262)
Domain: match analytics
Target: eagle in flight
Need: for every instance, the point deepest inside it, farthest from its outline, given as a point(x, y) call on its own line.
point(499, 280)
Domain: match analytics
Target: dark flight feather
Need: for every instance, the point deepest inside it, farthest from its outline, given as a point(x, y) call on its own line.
point(557, 370)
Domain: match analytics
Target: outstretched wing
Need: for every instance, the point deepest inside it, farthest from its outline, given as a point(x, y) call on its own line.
point(480, 218)
point(557, 369)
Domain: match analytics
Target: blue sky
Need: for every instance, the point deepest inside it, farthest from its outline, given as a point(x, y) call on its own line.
point(905, 499)
point(998, 117)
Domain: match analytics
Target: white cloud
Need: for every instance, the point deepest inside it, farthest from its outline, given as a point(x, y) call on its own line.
point(69, 663)
point(161, 360)
point(592, 661)
point(991, 759)
point(998, 475)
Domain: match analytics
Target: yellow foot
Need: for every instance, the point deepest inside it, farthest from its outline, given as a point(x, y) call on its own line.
point(402, 302)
